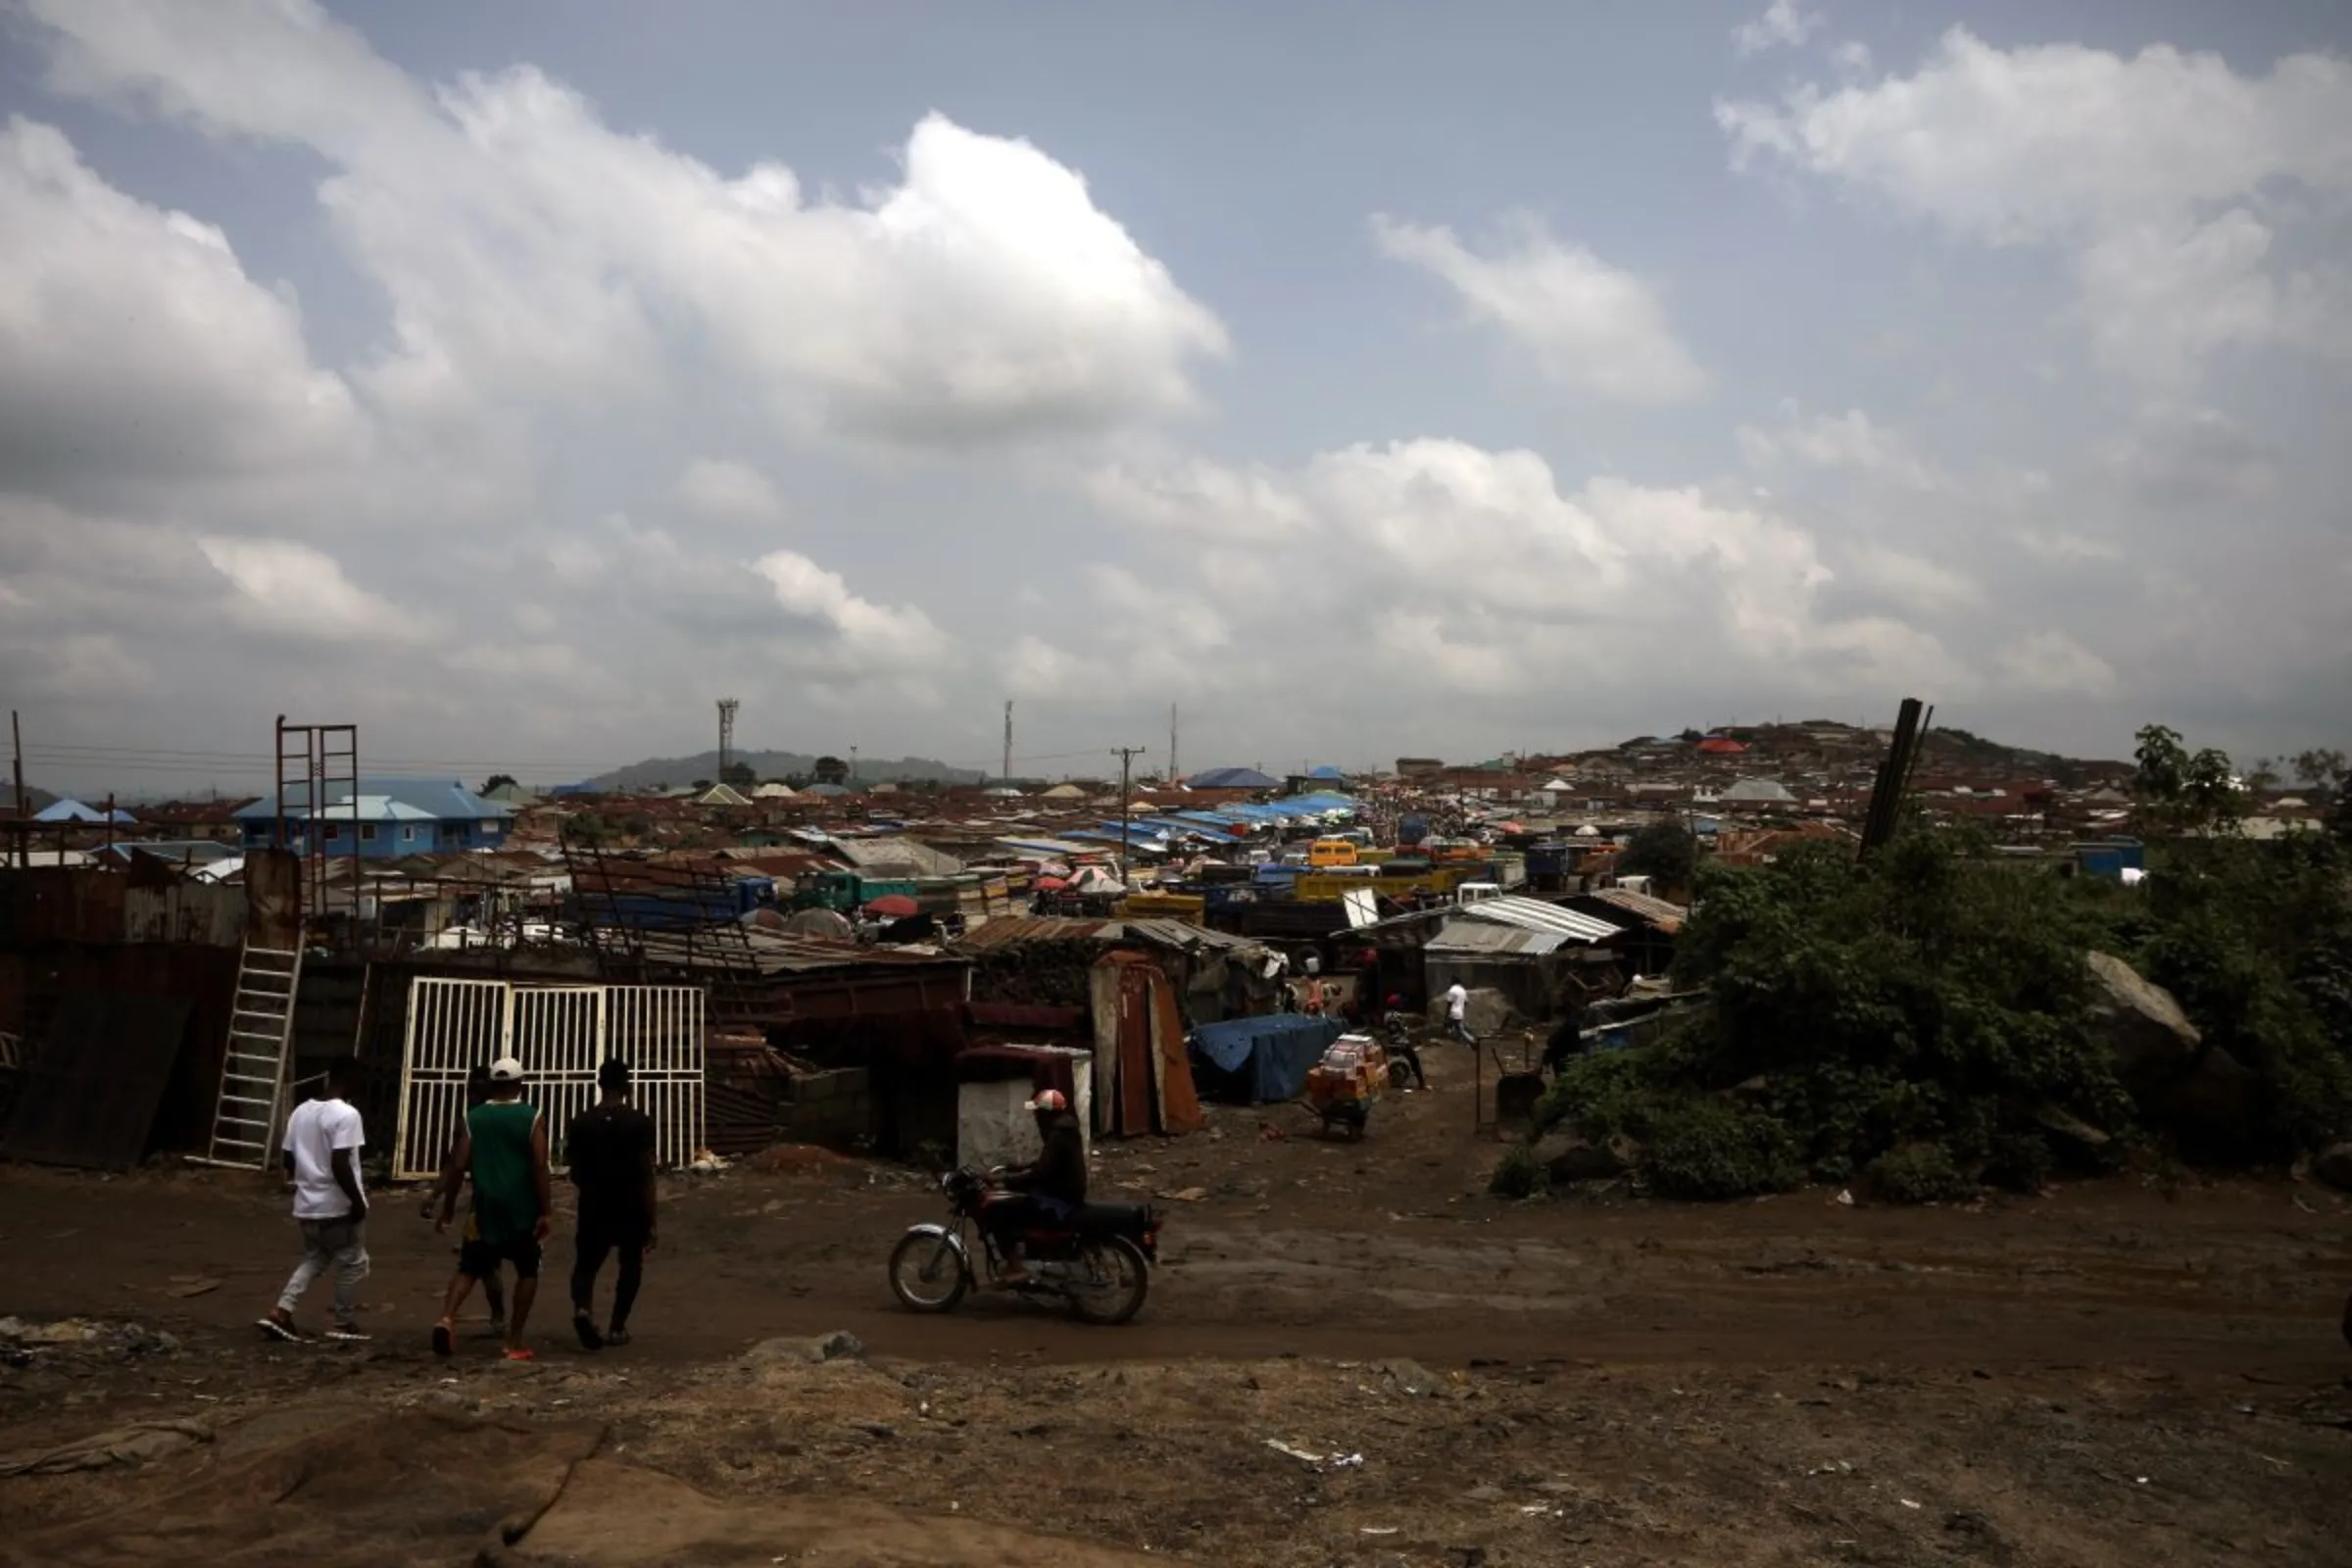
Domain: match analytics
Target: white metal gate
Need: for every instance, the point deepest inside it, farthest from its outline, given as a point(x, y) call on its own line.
point(561, 1034)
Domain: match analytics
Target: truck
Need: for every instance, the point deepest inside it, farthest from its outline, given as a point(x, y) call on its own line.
point(846, 892)
point(673, 908)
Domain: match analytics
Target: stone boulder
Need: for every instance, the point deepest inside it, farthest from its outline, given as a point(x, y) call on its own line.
point(2334, 1166)
point(2143, 1028)
point(838, 1345)
point(1569, 1159)
point(2182, 1085)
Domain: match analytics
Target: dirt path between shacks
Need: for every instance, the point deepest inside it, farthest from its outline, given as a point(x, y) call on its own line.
point(1609, 1379)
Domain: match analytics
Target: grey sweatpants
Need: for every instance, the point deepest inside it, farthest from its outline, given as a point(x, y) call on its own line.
point(338, 1244)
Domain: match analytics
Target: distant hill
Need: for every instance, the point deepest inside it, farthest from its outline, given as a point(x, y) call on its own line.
point(682, 770)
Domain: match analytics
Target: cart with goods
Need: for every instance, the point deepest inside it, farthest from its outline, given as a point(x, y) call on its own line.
point(1342, 1087)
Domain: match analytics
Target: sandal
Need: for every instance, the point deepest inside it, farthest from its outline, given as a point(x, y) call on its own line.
point(584, 1326)
point(444, 1338)
point(617, 1335)
point(522, 1352)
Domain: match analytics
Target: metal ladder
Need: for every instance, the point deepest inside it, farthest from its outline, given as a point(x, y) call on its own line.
point(252, 1079)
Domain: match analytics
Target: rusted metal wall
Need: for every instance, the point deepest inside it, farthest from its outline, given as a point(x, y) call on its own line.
point(144, 932)
point(273, 899)
point(197, 912)
point(60, 904)
point(42, 905)
point(33, 983)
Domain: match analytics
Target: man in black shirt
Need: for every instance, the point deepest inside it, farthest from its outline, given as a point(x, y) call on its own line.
point(1568, 1035)
point(1053, 1185)
point(611, 1149)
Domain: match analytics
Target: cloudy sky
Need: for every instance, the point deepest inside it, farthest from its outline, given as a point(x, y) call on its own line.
point(1364, 376)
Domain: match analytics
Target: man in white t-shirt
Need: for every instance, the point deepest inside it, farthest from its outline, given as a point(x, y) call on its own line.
point(1457, 1013)
point(323, 1140)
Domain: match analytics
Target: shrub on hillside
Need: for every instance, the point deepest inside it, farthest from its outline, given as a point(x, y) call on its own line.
point(1919, 1173)
point(1930, 995)
point(1518, 1174)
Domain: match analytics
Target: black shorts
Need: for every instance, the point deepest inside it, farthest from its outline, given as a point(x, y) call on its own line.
point(479, 1259)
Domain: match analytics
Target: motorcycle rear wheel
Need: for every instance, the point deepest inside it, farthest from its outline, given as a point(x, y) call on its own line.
point(1115, 1281)
point(916, 1266)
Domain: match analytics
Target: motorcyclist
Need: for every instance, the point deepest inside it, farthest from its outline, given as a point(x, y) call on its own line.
point(1401, 1040)
point(1051, 1188)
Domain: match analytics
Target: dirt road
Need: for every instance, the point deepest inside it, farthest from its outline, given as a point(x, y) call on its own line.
point(1638, 1380)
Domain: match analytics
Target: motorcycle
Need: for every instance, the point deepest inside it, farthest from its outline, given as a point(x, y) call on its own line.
point(1099, 1261)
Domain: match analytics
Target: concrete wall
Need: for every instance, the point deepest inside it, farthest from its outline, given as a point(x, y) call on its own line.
point(993, 1127)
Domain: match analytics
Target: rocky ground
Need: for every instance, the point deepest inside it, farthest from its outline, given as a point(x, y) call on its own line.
point(1352, 1356)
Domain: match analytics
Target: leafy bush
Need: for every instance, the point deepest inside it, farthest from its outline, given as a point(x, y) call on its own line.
point(1930, 995)
point(1519, 1174)
point(1919, 1173)
point(2019, 1164)
point(2254, 940)
point(1696, 1144)
point(1714, 1149)
point(1919, 1018)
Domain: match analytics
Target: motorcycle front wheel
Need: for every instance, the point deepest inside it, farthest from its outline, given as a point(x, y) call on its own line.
point(928, 1273)
point(1112, 1281)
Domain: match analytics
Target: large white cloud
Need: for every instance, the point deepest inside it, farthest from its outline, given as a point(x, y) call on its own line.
point(285, 587)
point(1589, 326)
point(2165, 178)
point(720, 487)
point(1784, 24)
point(133, 347)
point(1451, 570)
point(1851, 441)
point(527, 247)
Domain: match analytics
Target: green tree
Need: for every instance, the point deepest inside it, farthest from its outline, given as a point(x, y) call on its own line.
point(493, 781)
point(1666, 853)
point(2181, 793)
point(739, 775)
point(2323, 767)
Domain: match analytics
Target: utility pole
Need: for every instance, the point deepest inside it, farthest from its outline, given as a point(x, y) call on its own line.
point(1005, 778)
point(1173, 775)
point(726, 733)
point(16, 735)
point(1126, 755)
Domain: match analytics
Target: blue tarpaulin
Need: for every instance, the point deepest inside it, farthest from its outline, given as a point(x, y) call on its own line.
point(1265, 1059)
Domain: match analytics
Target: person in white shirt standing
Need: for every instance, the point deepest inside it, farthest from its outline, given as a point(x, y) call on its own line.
point(1457, 1013)
point(323, 1140)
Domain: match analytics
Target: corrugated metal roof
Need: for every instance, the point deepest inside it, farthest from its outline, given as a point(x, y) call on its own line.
point(1667, 917)
point(1534, 914)
point(1485, 939)
point(1174, 934)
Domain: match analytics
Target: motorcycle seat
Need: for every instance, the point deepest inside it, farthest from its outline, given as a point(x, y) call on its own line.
point(1104, 1220)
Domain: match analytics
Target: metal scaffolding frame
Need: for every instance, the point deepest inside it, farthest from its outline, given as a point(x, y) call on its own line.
point(312, 760)
point(650, 922)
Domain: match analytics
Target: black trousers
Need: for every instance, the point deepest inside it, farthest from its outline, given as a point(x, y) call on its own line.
point(600, 1235)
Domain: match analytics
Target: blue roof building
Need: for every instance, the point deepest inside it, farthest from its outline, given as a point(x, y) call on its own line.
point(1233, 778)
point(395, 817)
point(67, 810)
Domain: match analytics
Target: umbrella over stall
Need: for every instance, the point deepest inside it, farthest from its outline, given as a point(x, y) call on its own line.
point(893, 907)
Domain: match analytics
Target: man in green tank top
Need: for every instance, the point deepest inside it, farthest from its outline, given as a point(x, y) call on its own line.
point(504, 1148)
